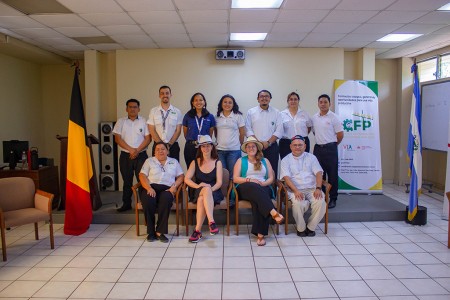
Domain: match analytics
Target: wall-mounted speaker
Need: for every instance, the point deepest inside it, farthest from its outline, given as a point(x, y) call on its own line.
point(229, 54)
point(108, 182)
point(108, 148)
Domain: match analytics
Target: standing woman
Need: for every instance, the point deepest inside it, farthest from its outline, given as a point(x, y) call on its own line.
point(229, 131)
point(295, 122)
point(207, 171)
point(197, 121)
point(253, 175)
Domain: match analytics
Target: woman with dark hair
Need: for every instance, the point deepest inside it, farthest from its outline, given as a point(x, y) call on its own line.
point(295, 122)
point(229, 131)
point(254, 176)
point(197, 121)
point(205, 177)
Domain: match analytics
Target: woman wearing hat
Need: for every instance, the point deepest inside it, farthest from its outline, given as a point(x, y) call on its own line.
point(207, 171)
point(295, 122)
point(254, 176)
point(197, 121)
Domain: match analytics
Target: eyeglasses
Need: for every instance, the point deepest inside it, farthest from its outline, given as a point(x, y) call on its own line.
point(264, 96)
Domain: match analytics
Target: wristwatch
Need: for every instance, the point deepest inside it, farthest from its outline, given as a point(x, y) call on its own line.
point(269, 144)
point(318, 188)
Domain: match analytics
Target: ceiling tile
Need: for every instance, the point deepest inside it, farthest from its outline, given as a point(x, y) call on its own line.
point(6, 10)
point(146, 5)
point(368, 5)
point(419, 28)
point(253, 15)
point(217, 37)
point(158, 38)
point(89, 6)
point(417, 5)
point(280, 44)
point(303, 16)
point(175, 44)
point(105, 47)
point(348, 44)
point(244, 44)
point(250, 27)
point(204, 16)
point(140, 45)
point(164, 28)
point(285, 37)
point(128, 38)
point(445, 30)
point(436, 17)
point(121, 29)
point(359, 37)
point(207, 27)
point(79, 31)
point(324, 37)
point(65, 47)
point(156, 17)
point(62, 20)
point(103, 19)
point(202, 4)
point(293, 27)
point(308, 4)
point(210, 44)
point(377, 28)
point(19, 22)
point(35, 33)
point(384, 45)
point(335, 27)
point(354, 16)
point(55, 41)
point(397, 16)
point(315, 44)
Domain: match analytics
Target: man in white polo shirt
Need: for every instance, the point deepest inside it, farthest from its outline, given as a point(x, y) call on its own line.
point(264, 122)
point(329, 133)
point(131, 134)
point(302, 174)
point(164, 123)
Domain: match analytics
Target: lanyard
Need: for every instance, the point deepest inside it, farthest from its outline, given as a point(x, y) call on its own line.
point(164, 118)
point(199, 126)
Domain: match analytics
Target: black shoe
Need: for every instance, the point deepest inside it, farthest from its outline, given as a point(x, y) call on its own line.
point(310, 232)
point(162, 238)
point(301, 233)
point(332, 204)
point(151, 238)
point(123, 208)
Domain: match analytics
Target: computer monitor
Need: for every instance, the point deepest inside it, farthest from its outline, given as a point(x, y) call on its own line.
point(17, 147)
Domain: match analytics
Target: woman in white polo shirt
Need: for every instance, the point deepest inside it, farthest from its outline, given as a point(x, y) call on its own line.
point(229, 131)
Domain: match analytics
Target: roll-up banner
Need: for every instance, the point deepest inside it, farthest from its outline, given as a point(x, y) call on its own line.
point(356, 103)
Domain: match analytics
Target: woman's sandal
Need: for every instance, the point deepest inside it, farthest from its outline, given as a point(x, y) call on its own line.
point(260, 241)
point(277, 215)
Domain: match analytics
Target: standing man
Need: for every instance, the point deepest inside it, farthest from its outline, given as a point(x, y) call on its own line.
point(164, 123)
point(131, 134)
point(303, 175)
point(329, 133)
point(264, 123)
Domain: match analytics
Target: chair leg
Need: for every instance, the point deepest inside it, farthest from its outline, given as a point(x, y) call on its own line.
point(326, 218)
point(228, 220)
point(36, 231)
point(52, 237)
point(137, 220)
point(177, 217)
point(3, 241)
point(236, 207)
point(286, 215)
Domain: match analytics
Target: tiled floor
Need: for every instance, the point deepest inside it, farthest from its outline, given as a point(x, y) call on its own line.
point(368, 260)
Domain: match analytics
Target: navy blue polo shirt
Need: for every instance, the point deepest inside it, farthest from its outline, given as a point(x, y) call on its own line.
point(192, 133)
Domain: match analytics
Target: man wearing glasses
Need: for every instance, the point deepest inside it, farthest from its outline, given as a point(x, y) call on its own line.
point(264, 123)
point(302, 174)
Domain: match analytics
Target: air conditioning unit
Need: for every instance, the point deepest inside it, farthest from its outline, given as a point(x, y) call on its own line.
point(230, 54)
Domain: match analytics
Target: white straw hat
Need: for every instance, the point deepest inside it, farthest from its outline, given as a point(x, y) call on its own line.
point(252, 139)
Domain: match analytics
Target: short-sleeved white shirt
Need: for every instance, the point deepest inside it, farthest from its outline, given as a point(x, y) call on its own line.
point(174, 118)
point(132, 132)
point(301, 170)
point(254, 174)
point(228, 131)
point(264, 123)
point(297, 125)
point(161, 174)
point(326, 127)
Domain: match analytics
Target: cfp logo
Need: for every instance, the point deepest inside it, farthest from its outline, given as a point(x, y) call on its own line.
point(363, 123)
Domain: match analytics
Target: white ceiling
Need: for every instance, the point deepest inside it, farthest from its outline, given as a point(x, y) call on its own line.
point(136, 24)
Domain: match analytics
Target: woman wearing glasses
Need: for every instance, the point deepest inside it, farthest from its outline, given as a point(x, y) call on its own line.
point(160, 177)
point(295, 122)
point(254, 176)
point(207, 171)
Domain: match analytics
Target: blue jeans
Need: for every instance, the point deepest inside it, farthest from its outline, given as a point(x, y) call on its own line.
point(228, 158)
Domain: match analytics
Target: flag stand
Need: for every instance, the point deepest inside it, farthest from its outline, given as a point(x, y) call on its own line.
point(420, 218)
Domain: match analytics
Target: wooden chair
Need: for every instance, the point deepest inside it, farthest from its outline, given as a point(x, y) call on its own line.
point(224, 204)
point(138, 206)
point(20, 204)
point(282, 194)
point(246, 204)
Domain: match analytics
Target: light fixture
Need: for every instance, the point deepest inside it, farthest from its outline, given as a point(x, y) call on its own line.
point(256, 3)
point(398, 37)
point(445, 7)
point(248, 36)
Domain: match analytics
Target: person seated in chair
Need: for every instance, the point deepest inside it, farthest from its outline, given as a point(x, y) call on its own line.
point(160, 177)
point(303, 175)
point(254, 176)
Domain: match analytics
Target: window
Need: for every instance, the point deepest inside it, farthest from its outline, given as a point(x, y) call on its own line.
point(445, 66)
point(434, 68)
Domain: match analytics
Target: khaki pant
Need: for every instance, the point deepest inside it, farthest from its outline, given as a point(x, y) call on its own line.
point(299, 207)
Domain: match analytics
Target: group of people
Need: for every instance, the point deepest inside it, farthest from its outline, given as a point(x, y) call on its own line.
point(256, 135)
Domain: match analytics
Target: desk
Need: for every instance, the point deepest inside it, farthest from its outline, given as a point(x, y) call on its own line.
point(46, 179)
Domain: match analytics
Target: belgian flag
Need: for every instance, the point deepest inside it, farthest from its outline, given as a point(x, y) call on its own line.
point(78, 215)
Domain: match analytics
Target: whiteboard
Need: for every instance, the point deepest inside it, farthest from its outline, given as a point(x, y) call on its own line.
point(435, 115)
